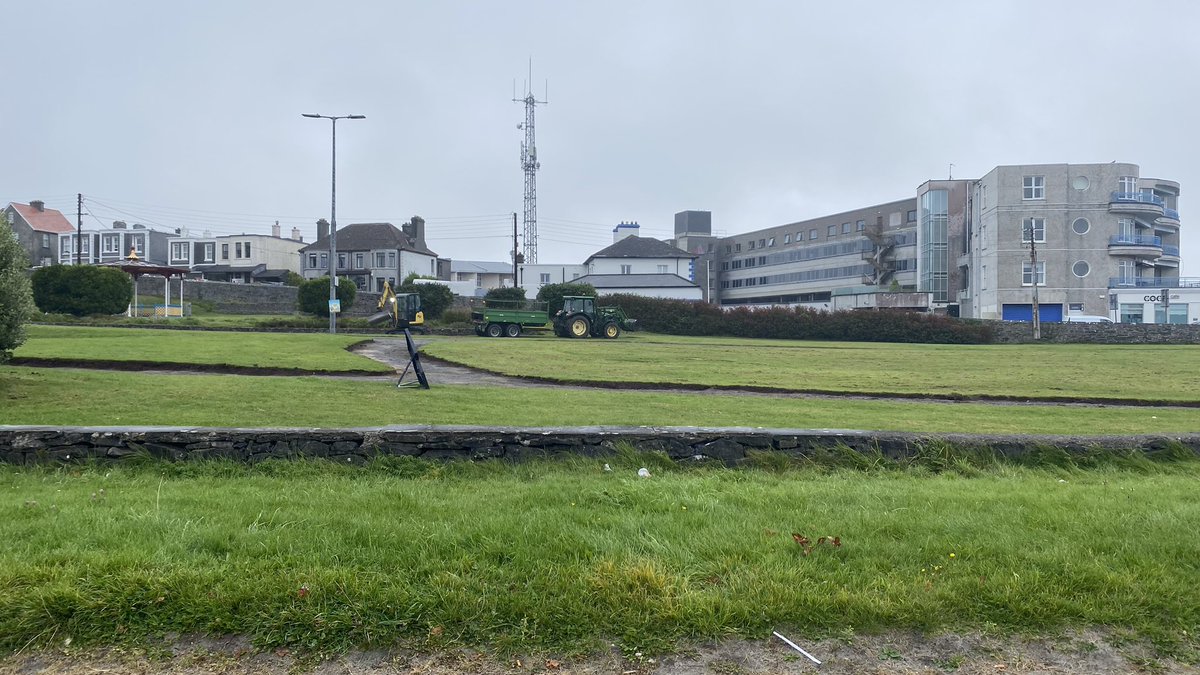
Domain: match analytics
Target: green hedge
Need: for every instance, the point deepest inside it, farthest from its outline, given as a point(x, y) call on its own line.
point(685, 317)
point(81, 290)
point(312, 296)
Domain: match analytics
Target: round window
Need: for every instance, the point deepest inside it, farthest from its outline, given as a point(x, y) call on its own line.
point(1081, 268)
point(1080, 182)
point(1081, 226)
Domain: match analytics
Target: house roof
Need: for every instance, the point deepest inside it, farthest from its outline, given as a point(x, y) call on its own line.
point(640, 247)
point(369, 237)
point(48, 220)
point(480, 267)
point(605, 281)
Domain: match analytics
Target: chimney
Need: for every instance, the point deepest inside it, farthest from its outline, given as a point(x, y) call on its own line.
point(415, 229)
point(296, 234)
point(275, 230)
point(623, 230)
point(38, 205)
point(119, 225)
point(322, 229)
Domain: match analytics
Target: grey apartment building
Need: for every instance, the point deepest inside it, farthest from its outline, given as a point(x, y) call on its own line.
point(1101, 233)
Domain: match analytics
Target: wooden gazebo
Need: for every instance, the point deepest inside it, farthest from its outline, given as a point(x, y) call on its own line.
point(135, 267)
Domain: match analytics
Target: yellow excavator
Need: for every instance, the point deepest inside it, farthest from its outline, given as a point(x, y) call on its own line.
point(402, 310)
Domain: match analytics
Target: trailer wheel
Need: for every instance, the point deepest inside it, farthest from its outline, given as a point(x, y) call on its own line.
point(495, 330)
point(512, 329)
point(579, 327)
point(611, 330)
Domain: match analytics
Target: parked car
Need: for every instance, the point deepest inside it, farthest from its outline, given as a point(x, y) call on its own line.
point(1086, 318)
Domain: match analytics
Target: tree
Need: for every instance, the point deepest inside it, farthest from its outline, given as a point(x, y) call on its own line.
point(553, 294)
point(507, 294)
point(292, 279)
point(312, 297)
point(81, 290)
point(435, 298)
point(16, 298)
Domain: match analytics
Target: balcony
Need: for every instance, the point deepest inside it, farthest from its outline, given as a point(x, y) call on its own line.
point(1154, 282)
point(1137, 203)
point(1136, 245)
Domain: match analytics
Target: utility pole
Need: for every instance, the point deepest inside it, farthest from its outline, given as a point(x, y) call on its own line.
point(530, 164)
point(1037, 326)
point(79, 230)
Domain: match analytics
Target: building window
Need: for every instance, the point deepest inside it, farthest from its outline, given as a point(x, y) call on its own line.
point(860, 225)
point(237, 250)
point(224, 251)
point(1034, 187)
point(391, 260)
point(1080, 268)
point(1081, 226)
point(1033, 229)
point(341, 261)
point(358, 261)
point(138, 245)
point(737, 248)
point(728, 249)
point(831, 231)
point(45, 241)
point(911, 216)
point(1127, 185)
point(845, 228)
point(208, 252)
point(247, 249)
point(64, 247)
point(544, 277)
point(312, 261)
point(1027, 273)
point(1126, 273)
point(324, 260)
point(380, 258)
point(771, 242)
point(626, 269)
point(751, 244)
point(662, 269)
point(787, 239)
point(762, 243)
point(983, 196)
point(812, 234)
point(1131, 312)
point(179, 250)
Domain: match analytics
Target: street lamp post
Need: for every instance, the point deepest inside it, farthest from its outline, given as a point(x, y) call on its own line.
point(333, 214)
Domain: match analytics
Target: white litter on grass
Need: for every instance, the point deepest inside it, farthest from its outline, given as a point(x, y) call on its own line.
point(644, 472)
point(795, 646)
point(607, 467)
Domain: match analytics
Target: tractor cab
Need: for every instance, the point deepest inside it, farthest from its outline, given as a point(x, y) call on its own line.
point(579, 304)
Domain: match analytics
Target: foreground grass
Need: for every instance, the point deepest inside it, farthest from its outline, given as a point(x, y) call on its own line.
point(80, 397)
point(308, 351)
point(564, 555)
point(1164, 372)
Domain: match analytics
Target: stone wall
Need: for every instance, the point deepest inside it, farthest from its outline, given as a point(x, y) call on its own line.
point(1098, 333)
point(31, 445)
point(230, 298)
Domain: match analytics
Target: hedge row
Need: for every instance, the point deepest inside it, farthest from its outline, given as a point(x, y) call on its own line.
point(685, 317)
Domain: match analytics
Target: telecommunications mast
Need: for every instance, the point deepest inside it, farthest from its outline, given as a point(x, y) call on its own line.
point(530, 164)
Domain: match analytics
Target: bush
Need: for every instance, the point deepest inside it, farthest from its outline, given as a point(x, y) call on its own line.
point(552, 294)
point(508, 294)
point(685, 317)
point(292, 279)
point(312, 297)
point(16, 298)
point(455, 315)
point(81, 290)
point(435, 298)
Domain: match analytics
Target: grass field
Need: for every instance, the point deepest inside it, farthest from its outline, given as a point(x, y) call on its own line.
point(1146, 372)
point(95, 398)
point(307, 351)
point(563, 555)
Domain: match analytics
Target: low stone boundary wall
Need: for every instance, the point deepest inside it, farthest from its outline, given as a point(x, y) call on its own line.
point(34, 445)
point(1098, 333)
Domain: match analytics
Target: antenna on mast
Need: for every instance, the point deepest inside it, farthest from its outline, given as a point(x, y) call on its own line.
point(530, 164)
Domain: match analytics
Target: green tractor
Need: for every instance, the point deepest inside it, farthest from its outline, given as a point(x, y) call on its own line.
point(580, 317)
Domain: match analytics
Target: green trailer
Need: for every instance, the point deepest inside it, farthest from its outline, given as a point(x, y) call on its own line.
point(509, 317)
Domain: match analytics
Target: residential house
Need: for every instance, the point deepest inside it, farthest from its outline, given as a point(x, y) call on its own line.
point(370, 254)
point(38, 230)
point(112, 244)
point(241, 258)
point(484, 275)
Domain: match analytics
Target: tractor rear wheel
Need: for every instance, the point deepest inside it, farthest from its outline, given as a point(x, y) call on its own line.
point(611, 330)
point(579, 327)
point(512, 329)
point(495, 330)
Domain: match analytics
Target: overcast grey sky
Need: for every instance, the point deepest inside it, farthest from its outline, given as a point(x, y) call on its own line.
point(187, 114)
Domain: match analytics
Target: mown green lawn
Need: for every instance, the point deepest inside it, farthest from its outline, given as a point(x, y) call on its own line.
point(1143, 372)
point(565, 556)
point(307, 351)
point(79, 397)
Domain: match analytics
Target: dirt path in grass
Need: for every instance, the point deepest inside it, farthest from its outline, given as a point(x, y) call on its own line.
point(902, 653)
